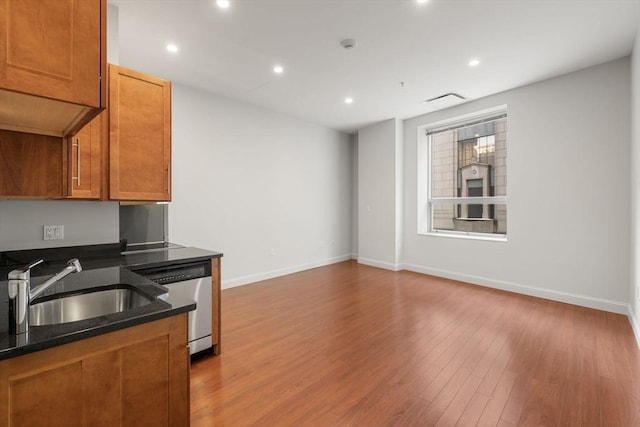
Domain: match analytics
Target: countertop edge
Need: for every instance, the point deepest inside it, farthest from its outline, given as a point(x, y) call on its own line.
point(93, 332)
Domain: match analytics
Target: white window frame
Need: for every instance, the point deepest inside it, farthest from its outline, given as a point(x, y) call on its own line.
point(426, 202)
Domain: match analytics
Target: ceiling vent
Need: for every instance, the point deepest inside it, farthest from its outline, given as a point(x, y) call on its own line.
point(444, 101)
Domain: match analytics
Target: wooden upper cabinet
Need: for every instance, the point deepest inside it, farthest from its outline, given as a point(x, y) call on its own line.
point(84, 161)
point(139, 136)
point(30, 165)
point(52, 60)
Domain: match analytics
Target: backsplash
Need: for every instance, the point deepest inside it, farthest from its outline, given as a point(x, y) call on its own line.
point(142, 224)
point(85, 223)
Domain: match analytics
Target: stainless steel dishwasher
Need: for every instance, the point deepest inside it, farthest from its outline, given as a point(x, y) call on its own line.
point(192, 281)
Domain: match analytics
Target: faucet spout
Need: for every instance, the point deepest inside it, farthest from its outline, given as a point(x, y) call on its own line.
point(73, 266)
point(20, 294)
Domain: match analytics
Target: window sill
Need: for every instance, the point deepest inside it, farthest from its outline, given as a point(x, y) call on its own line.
point(466, 236)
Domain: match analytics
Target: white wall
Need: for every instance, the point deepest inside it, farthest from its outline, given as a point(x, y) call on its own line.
point(113, 34)
point(379, 194)
point(85, 223)
point(271, 192)
point(568, 193)
point(354, 196)
point(635, 188)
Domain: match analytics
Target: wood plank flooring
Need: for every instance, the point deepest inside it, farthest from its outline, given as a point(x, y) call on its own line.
point(351, 345)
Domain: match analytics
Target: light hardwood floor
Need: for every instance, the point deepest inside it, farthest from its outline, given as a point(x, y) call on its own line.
point(351, 345)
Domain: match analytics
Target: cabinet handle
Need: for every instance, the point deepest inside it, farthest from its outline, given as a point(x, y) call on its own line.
point(77, 144)
point(168, 177)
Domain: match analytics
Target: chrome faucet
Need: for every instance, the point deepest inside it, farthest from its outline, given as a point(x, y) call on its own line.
point(21, 294)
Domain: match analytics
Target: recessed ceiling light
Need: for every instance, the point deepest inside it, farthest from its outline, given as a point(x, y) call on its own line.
point(348, 100)
point(172, 48)
point(224, 4)
point(474, 62)
point(278, 69)
point(422, 1)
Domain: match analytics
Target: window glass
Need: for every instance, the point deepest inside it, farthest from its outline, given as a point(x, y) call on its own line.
point(466, 161)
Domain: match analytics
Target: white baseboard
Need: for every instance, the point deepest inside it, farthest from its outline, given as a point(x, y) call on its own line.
point(634, 325)
point(379, 264)
point(566, 297)
point(245, 280)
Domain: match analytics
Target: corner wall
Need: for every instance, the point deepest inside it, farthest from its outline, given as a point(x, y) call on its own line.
point(634, 283)
point(272, 192)
point(354, 196)
point(380, 194)
point(568, 192)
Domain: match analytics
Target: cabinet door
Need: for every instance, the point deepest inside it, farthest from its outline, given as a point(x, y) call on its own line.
point(139, 136)
point(53, 48)
point(84, 161)
point(133, 377)
point(30, 165)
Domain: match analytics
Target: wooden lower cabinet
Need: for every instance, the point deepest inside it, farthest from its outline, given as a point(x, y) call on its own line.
point(134, 377)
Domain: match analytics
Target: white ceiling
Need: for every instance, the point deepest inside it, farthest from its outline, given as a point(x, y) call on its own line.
point(426, 46)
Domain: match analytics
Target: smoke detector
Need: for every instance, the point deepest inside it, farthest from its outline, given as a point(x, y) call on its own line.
point(348, 43)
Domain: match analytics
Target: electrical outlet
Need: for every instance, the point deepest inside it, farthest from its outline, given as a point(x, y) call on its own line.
point(53, 232)
point(272, 252)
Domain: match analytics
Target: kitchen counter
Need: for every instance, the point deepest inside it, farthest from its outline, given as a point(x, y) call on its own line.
point(158, 258)
point(122, 368)
point(101, 265)
point(42, 337)
point(100, 256)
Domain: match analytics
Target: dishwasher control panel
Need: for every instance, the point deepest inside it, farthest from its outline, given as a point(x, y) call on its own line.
point(177, 272)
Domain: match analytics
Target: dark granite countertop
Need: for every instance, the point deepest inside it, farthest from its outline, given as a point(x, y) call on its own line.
point(164, 304)
point(102, 265)
point(157, 258)
point(101, 256)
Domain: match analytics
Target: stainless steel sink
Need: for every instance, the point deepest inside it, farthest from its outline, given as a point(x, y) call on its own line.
point(86, 305)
